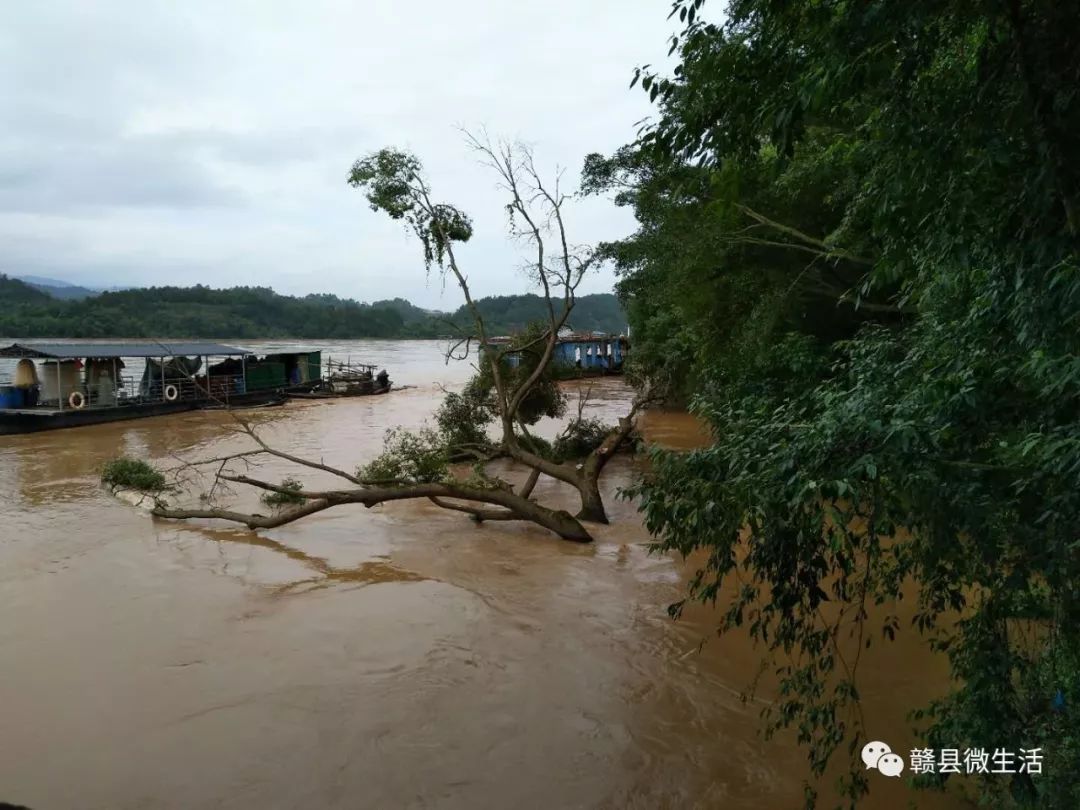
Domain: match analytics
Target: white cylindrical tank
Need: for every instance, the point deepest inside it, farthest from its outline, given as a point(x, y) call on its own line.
point(100, 383)
point(53, 388)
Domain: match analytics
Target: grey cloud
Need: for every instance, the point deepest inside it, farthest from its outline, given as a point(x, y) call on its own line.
point(144, 141)
point(167, 170)
point(90, 176)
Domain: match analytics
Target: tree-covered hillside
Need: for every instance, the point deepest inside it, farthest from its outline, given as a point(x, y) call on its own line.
point(13, 291)
point(507, 314)
point(258, 313)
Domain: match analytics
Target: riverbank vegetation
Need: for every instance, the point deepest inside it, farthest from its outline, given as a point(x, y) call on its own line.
point(858, 258)
point(258, 313)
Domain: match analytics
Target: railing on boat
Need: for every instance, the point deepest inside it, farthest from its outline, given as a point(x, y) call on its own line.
point(128, 391)
point(348, 369)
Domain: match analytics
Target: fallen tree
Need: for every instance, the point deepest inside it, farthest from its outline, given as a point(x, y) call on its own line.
point(517, 379)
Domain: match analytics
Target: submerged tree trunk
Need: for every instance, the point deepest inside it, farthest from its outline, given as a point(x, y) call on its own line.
point(592, 503)
point(513, 506)
point(584, 477)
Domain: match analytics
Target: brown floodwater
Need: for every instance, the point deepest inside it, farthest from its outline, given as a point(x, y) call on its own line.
point(391, 657)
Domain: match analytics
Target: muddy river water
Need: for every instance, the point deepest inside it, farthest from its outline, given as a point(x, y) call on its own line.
point(383, 658)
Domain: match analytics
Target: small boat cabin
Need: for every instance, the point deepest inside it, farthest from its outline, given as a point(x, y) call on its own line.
point(587, 353)
point(592, 351)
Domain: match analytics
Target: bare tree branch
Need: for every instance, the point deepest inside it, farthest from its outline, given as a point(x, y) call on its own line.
point(823, 247)
point(315, 465)
point(253, 521)
point(560, 522)
point(530, 483)
point(478, 514)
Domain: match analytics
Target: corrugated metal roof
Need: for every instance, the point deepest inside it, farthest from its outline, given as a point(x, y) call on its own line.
point(567, 336)
point(151, 349)
point(589, 337)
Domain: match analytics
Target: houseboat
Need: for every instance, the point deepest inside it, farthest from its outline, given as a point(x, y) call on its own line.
point(581, 354)
point(59, 385)
point(592, 352)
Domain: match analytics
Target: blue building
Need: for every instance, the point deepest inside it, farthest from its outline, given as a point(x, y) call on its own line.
point(592, 352)
point(595, 352)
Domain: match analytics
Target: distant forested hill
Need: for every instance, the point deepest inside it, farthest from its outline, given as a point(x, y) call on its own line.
point(259, 312)
point(505, 314)
point(68, 291)
point(13, 291)
point(409, 312)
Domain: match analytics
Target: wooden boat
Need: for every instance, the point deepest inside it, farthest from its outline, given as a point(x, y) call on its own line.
point(346, 380)
point(79, 384)
point(329, 394)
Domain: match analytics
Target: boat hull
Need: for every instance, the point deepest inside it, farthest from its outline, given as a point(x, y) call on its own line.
point(325, 394)
point(34, 420)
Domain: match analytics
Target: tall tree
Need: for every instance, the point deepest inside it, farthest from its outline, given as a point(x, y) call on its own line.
point(858, 247)
point(417, 465)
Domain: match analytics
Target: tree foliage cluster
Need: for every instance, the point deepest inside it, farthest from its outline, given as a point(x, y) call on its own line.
point(287, 495)
point(857, 257)
point(132, 473)
point(260, 313)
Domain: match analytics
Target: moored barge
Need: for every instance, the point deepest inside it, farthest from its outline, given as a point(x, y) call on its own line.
point(61, 385)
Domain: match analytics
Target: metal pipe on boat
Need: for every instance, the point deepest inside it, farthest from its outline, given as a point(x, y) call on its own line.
point(59, 386)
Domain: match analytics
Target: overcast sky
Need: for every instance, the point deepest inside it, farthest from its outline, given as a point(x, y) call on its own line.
point(208, 142)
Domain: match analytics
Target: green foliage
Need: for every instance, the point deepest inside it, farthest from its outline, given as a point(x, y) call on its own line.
point(512, 314)
point(538, 445)
point(132, 473)
point(389, 178)
point(579, 438)
point(201, 312)
point(411, 315)
point(544, 397)
point(478, 478)
point(462, 419)
point(290, 497)
point(858, 257)
point(419, 457)
point(13, 291)
point(393, 183)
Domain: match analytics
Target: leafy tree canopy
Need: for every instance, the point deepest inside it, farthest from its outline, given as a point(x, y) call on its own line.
point(857, 257)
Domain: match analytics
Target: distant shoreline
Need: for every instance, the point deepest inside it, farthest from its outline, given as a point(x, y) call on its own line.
point(201, 313)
